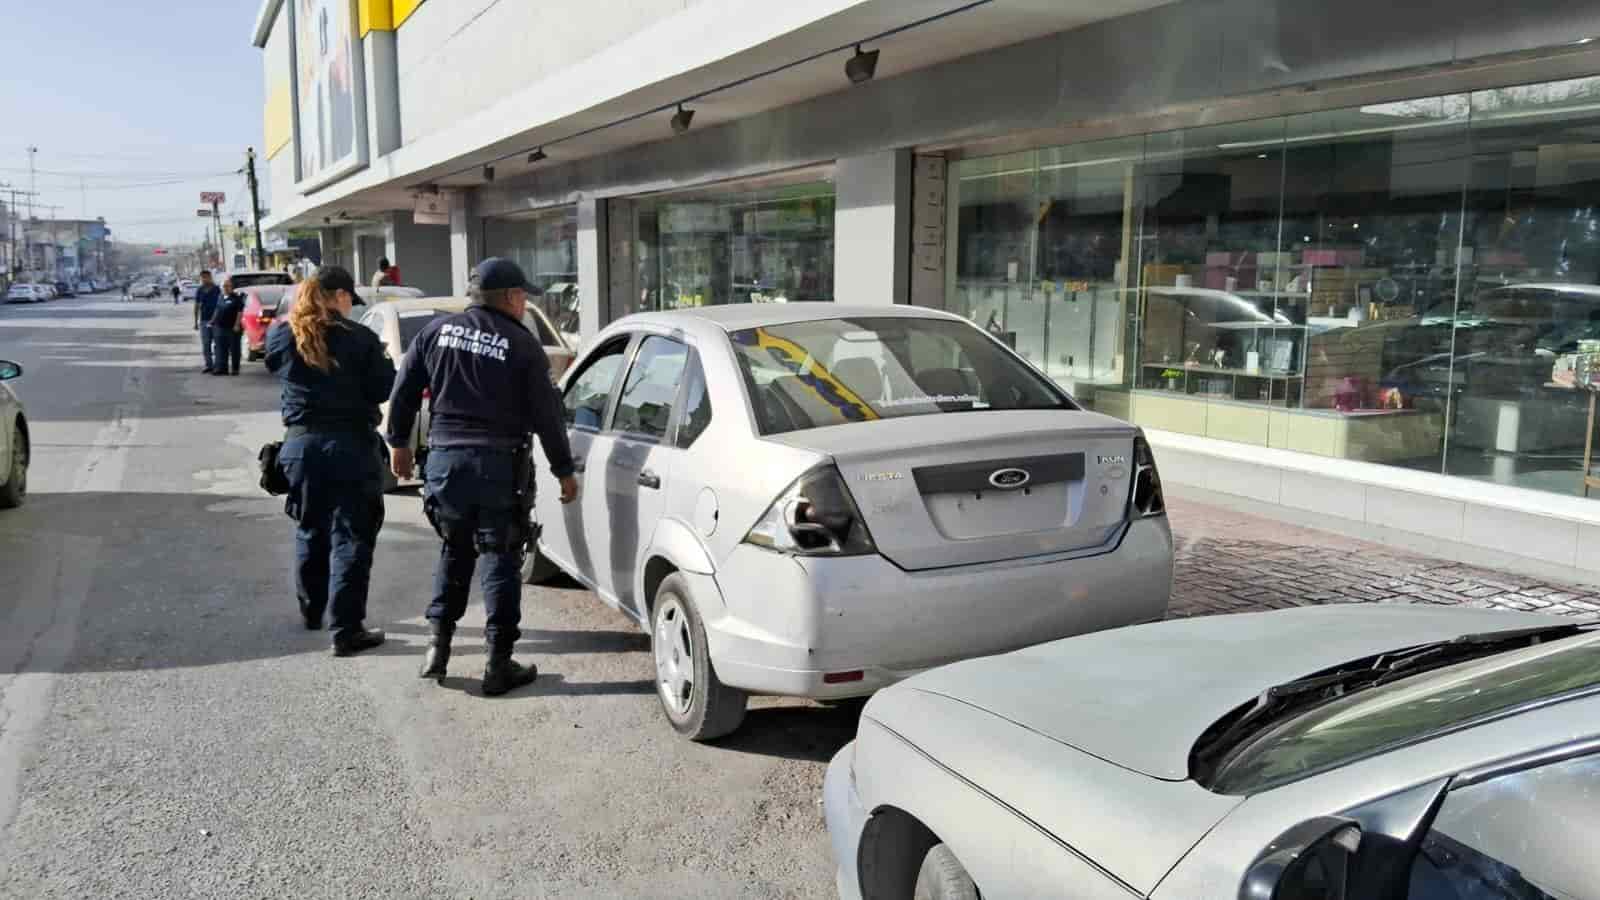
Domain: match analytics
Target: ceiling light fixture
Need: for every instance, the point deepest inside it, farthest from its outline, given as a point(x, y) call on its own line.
point(537, 155)
point(862, 66)
point(681, 119)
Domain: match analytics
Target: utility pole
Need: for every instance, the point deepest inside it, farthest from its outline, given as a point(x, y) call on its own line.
point(255, 205)
point(216, 216)
point(33, 189)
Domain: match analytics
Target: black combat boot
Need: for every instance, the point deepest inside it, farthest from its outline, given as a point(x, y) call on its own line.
point(351, 641)
point(437, 657)
point(504, 674)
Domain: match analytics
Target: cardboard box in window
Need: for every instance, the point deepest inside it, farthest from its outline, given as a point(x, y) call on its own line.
point(1332, 257)
point(1222, 266)
point(1339, 362)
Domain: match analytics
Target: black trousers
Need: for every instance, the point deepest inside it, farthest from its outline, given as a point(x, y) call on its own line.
point(225, 350)
point(336, 499)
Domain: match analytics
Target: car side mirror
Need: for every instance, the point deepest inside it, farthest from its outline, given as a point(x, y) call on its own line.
point(1310, 861)
point(9, 370)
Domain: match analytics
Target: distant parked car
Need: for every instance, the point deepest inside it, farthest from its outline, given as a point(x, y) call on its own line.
point(1324, 753)
point(15, 445)
point(397, 322)
point(63, 289)
point(816, 500)
point(85, 287)
point(22, 292)
point(187, 289)
point(145, 289)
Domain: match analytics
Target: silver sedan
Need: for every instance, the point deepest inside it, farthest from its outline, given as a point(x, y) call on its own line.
point(1325, 753)
point(819, 501)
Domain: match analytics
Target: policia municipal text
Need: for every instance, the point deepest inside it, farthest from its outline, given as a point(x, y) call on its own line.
point(489, 383)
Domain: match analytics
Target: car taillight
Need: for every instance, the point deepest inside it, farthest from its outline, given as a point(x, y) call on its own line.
point(1146, 499)
point(815, 516)
point(427, 394)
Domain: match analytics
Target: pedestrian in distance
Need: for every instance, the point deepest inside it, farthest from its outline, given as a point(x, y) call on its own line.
point(335, 374)
point(227, 331)
point(206, 298)
point(385, 275)
point(489, 382)
point(176, 293)
point(127, 291)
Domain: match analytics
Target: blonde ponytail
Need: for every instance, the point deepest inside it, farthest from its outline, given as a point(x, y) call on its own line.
point(310, 318)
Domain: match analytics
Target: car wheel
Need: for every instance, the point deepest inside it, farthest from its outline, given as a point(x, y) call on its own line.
point(697, 704)
point(536, 568)
point(942, 877)
point(15, 490)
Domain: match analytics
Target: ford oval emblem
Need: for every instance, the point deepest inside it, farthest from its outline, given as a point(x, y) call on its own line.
point(1008, 479)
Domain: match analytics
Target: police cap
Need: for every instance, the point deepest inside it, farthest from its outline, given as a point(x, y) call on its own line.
point(500, 274)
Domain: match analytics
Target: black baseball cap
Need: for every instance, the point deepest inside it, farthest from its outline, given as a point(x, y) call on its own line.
point(336, 278)
point(500, 274)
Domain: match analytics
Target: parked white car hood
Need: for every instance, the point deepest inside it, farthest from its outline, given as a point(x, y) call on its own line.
point(1139, 697)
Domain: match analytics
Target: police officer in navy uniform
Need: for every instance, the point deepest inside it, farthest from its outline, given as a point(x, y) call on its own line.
point(489, 382)
point(334, 374)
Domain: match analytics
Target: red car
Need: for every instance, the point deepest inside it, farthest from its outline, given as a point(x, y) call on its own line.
point(260, 308)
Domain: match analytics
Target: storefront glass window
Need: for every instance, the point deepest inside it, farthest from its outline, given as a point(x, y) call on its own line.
point(730, 245)
point(1415, 283)
point(545, 245)
point(1530, 297)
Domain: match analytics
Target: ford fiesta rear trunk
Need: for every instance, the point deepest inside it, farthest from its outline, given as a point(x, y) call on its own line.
point(955, 489)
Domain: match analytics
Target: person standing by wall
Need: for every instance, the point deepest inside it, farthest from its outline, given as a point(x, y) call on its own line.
point(489, 393)
point(381, 277)
point(206, 299)
point(334, 374)
point(227, 327)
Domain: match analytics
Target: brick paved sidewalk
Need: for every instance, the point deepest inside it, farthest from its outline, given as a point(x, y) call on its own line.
point(1232, 562)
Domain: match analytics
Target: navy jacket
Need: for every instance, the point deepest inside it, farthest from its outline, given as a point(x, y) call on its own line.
point(489, 381)
point(205, 302)
point(346, 397)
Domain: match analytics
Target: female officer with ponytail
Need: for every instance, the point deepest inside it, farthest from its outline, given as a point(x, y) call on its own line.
point(334, 375)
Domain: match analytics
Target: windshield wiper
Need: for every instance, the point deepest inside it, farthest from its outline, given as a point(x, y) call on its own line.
point(1282, 701)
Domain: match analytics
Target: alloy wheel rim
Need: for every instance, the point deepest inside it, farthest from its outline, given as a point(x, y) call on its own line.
point(674, 652)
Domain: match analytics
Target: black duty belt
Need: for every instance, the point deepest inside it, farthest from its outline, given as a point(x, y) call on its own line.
point(294, 431)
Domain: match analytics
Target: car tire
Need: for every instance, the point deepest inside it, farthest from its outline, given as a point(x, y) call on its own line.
point(943, 878)
point(15, 490)
point(696, 702)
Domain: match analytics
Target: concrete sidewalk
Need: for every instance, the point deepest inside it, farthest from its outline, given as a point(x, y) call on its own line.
point(1233, 562)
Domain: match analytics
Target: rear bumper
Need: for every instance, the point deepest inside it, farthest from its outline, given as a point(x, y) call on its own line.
point(788, 622)
point(846, 818)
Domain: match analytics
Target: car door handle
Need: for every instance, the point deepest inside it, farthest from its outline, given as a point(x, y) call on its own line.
point(649, 479)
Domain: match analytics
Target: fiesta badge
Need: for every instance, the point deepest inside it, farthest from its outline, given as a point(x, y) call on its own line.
point(1008, 479)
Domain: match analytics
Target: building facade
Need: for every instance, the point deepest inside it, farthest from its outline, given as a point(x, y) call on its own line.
point(1341, 261)
point(64, 249)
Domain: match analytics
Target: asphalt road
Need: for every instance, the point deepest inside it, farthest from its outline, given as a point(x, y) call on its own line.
point(168, 729)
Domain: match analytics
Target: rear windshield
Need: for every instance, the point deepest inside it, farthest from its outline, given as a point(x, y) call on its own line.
point(412, 323)
point(1405, 711)
point(833, 371)
point(244, 281)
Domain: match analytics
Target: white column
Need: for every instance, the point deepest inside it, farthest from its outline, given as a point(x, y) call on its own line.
point(466, 233)
point(872, 229)
point(593, 271)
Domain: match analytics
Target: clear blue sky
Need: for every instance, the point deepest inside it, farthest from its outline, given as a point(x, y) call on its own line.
point(132, 97)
